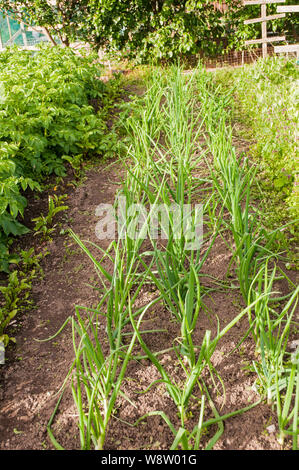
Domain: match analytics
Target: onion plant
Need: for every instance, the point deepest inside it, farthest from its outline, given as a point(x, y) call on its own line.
point(192, 360)
point(175, 269)
point(276, 374)
point(97, 378)
point(162, 156)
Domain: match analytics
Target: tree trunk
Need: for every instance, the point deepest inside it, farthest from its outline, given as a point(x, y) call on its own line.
point(50, 37)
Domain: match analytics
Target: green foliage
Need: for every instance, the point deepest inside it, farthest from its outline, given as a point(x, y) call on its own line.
point(45, 108)
point(238, 32)
point(167, 29)
point(12, 203)
point(157, 30)
point(76, 163)
point(64, 21)
point(46, 118)
point(11, 293)
point(148, 30)
point(266, 103)
point(16, 292)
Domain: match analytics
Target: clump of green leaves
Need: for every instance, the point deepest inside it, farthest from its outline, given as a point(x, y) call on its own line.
point(164, 30)
point(17, 288)
point(46, 120)
point(12, 202)
point(45, 108)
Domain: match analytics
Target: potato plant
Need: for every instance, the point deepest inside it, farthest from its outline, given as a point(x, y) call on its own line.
point(46, 116)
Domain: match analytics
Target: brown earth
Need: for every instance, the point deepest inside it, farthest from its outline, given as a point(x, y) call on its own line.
point(34, 372)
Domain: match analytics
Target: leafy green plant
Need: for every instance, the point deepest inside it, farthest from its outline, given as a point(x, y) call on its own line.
point(44, 223)
point(55, 118)
point(12, 298)
point(75, 162)
point(12, 202)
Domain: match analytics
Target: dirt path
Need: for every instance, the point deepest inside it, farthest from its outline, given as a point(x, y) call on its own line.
point(34, 371)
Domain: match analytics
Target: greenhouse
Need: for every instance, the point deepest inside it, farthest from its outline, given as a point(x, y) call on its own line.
point(149, 229)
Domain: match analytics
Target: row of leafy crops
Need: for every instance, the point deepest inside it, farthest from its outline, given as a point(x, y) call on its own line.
point(164, 154)
point(46, 119)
